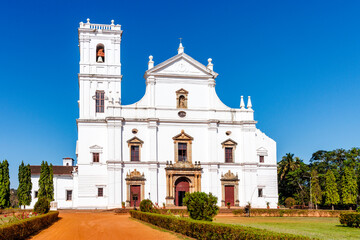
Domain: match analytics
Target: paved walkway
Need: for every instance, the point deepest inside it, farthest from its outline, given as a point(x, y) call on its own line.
point(99, 225)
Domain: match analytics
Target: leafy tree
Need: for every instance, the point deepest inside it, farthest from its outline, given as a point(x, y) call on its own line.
point(293, 179)
point(331, 192)
point(201, 206)
point(348, 187)
point(316, 193)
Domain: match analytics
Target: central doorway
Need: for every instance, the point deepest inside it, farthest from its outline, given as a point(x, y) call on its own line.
point(135, 196)
point(229, 195)
point(182, 186)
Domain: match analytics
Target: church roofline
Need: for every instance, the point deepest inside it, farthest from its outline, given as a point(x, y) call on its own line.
point(197, 64)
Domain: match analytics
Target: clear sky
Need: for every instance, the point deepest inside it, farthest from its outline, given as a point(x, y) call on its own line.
point(298, 60)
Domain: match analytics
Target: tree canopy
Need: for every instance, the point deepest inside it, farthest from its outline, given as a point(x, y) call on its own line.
point(335, 178)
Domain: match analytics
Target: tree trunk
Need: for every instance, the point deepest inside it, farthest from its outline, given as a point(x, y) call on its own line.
point(332, 207)
point(316, 206)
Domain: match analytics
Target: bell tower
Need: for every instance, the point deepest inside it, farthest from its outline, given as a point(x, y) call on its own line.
point(100, 69)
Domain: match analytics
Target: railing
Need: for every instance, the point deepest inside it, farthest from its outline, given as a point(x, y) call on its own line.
point(100, 26)
point(94, 26)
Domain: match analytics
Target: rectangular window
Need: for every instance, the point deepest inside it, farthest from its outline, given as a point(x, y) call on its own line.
point(96, 157)
point(100, 192)
point(182, 152)
point(261, 159)
point(228, 155)
point(135, 154)
point(100, 101)
point(260, 192)
point(36, 194)
point(68, 195)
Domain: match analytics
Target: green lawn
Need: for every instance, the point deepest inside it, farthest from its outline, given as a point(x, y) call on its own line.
point(321, 227)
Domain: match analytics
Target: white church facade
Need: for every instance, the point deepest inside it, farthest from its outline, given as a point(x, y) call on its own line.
point(178, 138)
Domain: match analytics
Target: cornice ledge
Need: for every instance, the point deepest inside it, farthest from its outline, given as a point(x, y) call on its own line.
point(98, 75)
point(90, 120)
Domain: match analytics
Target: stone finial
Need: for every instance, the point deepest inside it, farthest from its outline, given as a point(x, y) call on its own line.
point(112, 23)
point(242, 104)
point(151, 62)
point(181, 48)
point(88, 20)
point(249, 105)
point(210, 64)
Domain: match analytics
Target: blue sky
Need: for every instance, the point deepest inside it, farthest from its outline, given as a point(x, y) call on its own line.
point(298, 60)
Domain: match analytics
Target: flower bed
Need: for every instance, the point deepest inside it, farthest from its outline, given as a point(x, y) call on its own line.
point(24, 227)
point(209, 230)
point(291, 213)
point(350, 219)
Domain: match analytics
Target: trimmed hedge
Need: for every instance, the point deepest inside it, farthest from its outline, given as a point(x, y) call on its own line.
point(291, 212)
point(24, 228)
point(208, 230)
point(350, 219)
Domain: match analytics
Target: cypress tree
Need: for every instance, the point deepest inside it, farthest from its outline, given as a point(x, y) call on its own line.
point(21, 188)
point(331, 192)
point(42, 181)
point(28, 185)
point(25, 185)
point(348, 187)
point(46, 184)
point(316, 193)
point(4, 185)
point(51, 184)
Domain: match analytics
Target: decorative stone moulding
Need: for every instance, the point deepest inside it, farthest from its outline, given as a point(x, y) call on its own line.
point(182, 114)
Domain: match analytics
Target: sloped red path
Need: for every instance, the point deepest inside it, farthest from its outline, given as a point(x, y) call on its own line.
point(99, 225)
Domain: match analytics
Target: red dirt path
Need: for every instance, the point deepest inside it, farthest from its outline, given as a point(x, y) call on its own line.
point(99, 225)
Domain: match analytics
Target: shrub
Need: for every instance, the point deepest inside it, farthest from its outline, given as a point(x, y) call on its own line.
point(24, 228)
point(291, 212)
point(350, 219)
point(146, 205)
point(201, 206)
point(289, 202)
point(358, 209)
point(42, 205)
point(208, 230)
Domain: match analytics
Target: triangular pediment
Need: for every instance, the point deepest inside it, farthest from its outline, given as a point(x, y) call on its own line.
point(95, 147)
point(229, 142)
point(183, 136)
point(181, 65)
point(262, 151)
point(135, 140)
point(182, 91)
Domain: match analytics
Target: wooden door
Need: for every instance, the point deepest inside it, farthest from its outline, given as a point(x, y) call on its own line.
point(181, 187)
point(135, 194)
point(229, 195)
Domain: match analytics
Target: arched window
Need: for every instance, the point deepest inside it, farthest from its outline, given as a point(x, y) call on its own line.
point(182, 103)
point(181, 98)
point(100, 53)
